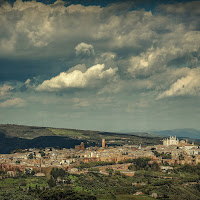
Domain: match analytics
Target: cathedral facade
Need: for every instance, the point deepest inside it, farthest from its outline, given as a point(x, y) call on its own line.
point(172, 140)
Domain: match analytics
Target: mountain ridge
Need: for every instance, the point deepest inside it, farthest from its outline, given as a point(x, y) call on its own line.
point(21, 136)
point(182, 133)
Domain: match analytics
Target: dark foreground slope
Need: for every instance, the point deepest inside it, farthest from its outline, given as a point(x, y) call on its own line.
point(8, 144)
point(22, 137)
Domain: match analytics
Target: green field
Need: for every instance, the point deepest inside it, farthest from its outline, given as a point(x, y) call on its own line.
point(124, 197)
point(181, 183)
point(12, 188)
point(23, 182)
point(69, 133)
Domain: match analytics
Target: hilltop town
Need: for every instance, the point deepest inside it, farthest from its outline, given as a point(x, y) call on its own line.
point(171, 152)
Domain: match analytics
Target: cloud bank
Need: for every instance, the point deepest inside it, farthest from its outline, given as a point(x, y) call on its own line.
point(140, 44)
point(84, 49)
point(185, 86)
point(93, 77)
point(15, 102)
point(118, 60)
point(5, 91)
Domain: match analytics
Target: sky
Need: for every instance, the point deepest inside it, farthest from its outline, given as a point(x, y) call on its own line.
point(100, 65)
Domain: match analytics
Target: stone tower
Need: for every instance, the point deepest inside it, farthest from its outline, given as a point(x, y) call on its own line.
point(82, 146)
point(103, 143)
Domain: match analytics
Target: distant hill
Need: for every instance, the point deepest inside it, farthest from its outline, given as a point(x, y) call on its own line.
point(8, 144)
point(139, 133)
point(182, 133)
point(18, 136)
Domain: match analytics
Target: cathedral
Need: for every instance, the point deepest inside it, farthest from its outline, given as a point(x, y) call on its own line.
point(171, 141)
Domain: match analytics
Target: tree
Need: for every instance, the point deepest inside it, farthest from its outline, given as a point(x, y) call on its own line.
point(154, 166)
point(30, 156)
point(51, 182)
point(156, 153)
point(142, 163)
point(19, 172)
point(117, 172)
point(58, 172)
point(42, 153)
point(15, 194)
point(93, 169)
point(166, 155)
point(110, 171)
point(181, 157)
point(131, 167)
point(29, 172)
point(17, 161)
point(64, 194)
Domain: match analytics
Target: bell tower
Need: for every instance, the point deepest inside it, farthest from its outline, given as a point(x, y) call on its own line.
point(103, 143)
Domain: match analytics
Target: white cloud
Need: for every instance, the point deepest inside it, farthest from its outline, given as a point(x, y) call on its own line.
point(27, 24)
point(140, 44)
point(79, 67)
point(84, 49)
point(162, 81)
point(28, 27)
point(107, 56)
point(156, 59)
point(95, 76)
point(16, 102)
point(188, 85)
point(78, 8)
point(28, 82)
point(5, 90)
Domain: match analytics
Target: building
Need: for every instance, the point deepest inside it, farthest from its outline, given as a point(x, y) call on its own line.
point(77, 147)
point(103, 143)
point(82, 146)
point(170, 141)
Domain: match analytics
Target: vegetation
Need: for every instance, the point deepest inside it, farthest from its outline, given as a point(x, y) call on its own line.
point(20, 137)
point(58, 172)
point(29, 172)
point(42, 153)
point(93, 170)
point(163, 155)
point(181, 183)
point(141, 163)
point(30, 156)
point(64, 194)
point(67, 132)
point(93, 164)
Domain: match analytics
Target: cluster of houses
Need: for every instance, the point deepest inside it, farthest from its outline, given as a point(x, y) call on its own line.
point(172, 151)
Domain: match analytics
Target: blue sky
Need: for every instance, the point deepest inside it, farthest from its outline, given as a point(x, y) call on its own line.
point(100, 65)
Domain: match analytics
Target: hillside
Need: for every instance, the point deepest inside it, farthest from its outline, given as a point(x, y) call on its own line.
point(183, 133)
point(18, 136)
point(189, 133)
